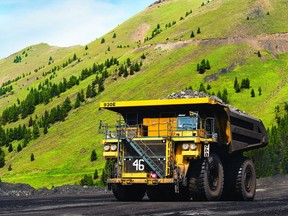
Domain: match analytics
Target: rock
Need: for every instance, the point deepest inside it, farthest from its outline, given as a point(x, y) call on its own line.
point(196, 94)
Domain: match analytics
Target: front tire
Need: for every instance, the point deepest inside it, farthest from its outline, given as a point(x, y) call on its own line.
point(206, 179)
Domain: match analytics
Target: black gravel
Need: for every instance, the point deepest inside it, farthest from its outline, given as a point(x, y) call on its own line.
point(8, 189)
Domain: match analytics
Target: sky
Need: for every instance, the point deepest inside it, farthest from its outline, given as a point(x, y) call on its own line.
point(60, 22)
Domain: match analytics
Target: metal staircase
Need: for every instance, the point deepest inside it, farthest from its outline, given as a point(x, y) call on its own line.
point(146, 157)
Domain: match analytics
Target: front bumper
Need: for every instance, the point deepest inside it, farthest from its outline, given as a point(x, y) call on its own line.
point(147, 181)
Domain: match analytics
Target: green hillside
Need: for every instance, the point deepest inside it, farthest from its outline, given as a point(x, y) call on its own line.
point(243, 39)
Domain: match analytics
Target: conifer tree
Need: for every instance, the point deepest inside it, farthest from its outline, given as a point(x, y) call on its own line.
point(235, 82)
point(2, 158)
point(136, 67)
point(36, 132)
point(225, 96)
point(207, 65)
point(125, 73)
point(87, 180)
point(252, 93)
point(192, 34)
point(96, 176)
point(93, 155)
point(101, 85)
point(88, 91)
point(30, 122)
point(202, 88)
point(131, 70)
point(260, 91)
point(198, 30)
point(219, 95)
point(82, 97)
point(237, 88)
point(67, 105)
point(45, 131)
point(128, 62)
point(32, 158)
point(77, 102)
point(10, 148)
point(19, 148)
point(93, 92)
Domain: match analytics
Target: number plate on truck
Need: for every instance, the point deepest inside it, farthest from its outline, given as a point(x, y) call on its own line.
point(206, 150)
point(139, 164)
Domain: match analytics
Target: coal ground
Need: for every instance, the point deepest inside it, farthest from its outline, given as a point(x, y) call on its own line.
point(20, 199)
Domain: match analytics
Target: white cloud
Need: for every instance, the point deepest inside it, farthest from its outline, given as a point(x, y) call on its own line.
point(60, 23)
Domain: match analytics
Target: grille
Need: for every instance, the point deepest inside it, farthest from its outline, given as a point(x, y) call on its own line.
point(133, 162)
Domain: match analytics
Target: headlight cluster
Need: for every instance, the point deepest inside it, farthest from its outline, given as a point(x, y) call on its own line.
point(112, 147)
point(186, 146)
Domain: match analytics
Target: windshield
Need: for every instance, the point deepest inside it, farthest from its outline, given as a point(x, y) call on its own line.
point(187, 123)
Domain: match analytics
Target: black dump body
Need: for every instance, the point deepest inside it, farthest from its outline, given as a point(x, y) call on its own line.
point(247, 132)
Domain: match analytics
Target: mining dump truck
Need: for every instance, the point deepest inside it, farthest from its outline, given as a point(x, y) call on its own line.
point(178, 149)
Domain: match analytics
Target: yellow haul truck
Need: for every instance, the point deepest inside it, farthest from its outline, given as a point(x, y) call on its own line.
point(179, 149)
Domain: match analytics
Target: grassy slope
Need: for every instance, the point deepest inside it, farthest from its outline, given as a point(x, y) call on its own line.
point(62, 155)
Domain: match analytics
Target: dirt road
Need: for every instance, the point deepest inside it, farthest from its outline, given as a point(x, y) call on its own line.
point(271, 199)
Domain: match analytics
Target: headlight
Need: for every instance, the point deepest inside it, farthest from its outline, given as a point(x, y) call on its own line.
point(113, 147)
point(193, 146)
point(106, 147)
point(185, 146)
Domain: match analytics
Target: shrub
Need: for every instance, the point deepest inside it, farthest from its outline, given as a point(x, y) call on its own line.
point(86, 180)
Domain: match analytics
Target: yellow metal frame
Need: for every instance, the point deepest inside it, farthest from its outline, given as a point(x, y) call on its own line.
point(168, 155)
point(148, 181)
point(166, 102)
point(110, 154)
point(109, 140)
point(134, 175)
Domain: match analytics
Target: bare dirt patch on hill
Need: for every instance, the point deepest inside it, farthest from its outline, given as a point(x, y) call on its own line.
point(274, 43)
point(140, 33)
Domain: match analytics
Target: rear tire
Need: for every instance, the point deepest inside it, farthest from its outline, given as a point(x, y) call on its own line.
point(128, 192)
point(206, 179)
point(240, 180)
